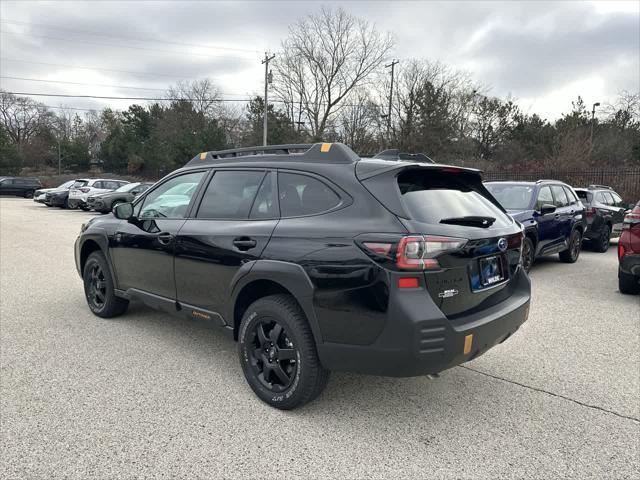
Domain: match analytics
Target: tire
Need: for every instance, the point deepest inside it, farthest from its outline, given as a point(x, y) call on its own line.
point(528, 254)
point(271, 326)
point(571, 254)
point(28, 194)
point(628, 284)
point(85, 208)
point(601, 244)
point(99, 288)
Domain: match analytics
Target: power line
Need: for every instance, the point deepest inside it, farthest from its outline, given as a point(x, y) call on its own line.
point(79, 67)
point(140, 39)
point(102, 85)
point(155, 50)
point(79, 83)
point(100, 97)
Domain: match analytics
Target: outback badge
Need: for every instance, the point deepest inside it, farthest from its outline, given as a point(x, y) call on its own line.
point(448, 293)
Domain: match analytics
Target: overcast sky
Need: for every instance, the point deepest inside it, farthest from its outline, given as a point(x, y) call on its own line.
point(544, 54)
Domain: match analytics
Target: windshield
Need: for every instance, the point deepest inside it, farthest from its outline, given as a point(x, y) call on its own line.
point(511, 196)
point(127, 186)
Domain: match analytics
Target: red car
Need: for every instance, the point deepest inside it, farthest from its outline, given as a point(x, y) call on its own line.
point(629, 253)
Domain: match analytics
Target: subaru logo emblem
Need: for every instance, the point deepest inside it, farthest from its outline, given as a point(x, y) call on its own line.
point(502, 244)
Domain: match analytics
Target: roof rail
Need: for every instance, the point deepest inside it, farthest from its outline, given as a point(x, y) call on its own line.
point(305, 152)
point(395, 154)
point(594, 187)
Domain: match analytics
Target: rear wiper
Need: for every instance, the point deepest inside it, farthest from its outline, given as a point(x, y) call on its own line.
point(472, 221)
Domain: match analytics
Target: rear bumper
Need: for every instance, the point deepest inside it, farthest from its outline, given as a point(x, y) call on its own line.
point(630, 264)
point(423, 341)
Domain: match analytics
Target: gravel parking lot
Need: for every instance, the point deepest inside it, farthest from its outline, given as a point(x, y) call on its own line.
point(152, 395)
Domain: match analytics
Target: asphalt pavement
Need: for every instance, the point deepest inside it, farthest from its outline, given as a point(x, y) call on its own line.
point(150, 395)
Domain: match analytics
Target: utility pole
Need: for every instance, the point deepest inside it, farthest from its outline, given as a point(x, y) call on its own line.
point(392, 65)
point(593, 114)
point(265, 62)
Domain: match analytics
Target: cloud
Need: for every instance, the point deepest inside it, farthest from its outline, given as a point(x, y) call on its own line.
point(539, 52)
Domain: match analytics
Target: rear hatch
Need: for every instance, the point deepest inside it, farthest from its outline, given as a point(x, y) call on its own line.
point(459, 237)
point(75, 189)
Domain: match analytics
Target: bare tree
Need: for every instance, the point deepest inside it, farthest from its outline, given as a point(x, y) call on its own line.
point(22, 118)
point(323, 59)
point(202, 94)
point(360, 124)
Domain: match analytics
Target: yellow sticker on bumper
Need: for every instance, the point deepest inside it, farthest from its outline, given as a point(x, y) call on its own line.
point(468, 342)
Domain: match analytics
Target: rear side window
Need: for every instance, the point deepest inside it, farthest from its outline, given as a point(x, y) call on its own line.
point(559, 196)
point(431, 197)
point(544, 198)
point(570, 195)
point(617, 199)
point(230, 194)
point(600, 198)
point(608, 198)
point(304, 195)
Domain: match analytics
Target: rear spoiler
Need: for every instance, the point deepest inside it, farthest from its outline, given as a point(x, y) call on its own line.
point(378, 182)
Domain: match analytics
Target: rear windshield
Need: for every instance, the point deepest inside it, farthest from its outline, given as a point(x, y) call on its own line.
point(79, 183)
point(431, 197)
point(512, 196)
point(584, 195)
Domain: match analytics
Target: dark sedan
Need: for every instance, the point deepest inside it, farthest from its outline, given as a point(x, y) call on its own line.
point(104, 202)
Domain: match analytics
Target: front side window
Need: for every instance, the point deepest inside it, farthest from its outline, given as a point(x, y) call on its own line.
point(303, 195)
point(608, 199)
point(230, 194)
point(544, 198)
point(600, 198)
point(172, 198)
point(559, 196)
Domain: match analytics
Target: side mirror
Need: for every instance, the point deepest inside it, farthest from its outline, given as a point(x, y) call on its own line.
point(547, 208)
point(123, 211)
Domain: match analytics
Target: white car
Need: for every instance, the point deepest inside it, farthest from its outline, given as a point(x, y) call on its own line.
point(78, 195)
point(39, 195)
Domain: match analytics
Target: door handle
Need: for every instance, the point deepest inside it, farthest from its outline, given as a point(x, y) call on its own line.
point(165, 238)
point(244, 243)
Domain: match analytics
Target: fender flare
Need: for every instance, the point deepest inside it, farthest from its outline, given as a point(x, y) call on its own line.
point(291, 276)
point(100, 237)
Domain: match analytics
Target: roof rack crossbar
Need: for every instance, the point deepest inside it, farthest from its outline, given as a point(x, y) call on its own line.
point(316, 152)
point(595, 186)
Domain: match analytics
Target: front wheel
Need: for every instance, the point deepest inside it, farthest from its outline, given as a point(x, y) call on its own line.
point(28, 194)
point(528, 254)
point(278, 353)
point(99, 288)
point(571, 254)
point(602, 242)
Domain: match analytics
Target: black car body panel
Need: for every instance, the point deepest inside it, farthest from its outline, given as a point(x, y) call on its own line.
point(212, 267)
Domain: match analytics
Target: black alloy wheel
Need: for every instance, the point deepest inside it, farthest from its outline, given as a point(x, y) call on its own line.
point(97, 292)
point(571, 254)
point(527, 254)
point(273, 355)
point(604, 239)
point(278, 353)
point(99, 288)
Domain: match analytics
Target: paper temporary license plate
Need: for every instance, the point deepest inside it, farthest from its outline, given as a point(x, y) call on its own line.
point(491, 270)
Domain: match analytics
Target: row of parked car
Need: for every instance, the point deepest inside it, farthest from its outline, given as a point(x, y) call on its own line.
point(99, 194)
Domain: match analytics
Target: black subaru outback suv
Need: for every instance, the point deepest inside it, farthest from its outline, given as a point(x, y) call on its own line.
point(316, 260)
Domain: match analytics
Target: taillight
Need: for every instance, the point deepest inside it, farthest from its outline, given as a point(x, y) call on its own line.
point(379, 247)
point(631, 220)
point(418, 252)
point(85, 189)
point(590, 212)
point(621, 251)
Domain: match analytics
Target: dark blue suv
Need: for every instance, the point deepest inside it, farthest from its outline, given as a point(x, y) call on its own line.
point(552, 215)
